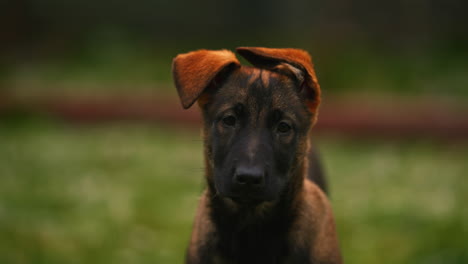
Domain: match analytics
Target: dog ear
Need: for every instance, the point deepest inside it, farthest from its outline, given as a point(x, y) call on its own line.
point(289, 61)
point(193, 72)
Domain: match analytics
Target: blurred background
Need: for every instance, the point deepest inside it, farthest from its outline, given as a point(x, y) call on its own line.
point(99, 163)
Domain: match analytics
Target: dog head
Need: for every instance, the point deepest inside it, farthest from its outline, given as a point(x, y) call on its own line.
point(256, 119)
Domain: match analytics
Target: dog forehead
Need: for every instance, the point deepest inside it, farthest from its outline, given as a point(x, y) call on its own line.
point(257, 88)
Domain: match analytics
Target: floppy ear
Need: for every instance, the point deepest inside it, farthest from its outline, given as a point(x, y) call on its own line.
point(295, 61)
point(193, 72)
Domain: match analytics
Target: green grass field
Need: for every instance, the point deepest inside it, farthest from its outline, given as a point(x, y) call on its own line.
point(127, 194)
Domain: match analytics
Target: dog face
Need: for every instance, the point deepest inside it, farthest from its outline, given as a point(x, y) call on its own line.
point(256, 119)
point(255, 124)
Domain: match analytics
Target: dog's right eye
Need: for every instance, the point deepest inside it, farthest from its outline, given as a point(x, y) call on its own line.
point(283, 127)
point(229, 121)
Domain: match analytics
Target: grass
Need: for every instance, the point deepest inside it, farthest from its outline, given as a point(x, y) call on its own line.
point(127, 194)
point(400, 202)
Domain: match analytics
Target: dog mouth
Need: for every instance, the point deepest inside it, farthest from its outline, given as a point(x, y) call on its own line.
point(249, 199)
point(245, 195)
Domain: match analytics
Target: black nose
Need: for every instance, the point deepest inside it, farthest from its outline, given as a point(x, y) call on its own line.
point(249, 176)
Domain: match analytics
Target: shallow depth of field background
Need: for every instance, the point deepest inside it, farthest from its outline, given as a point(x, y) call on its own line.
point(124, 190)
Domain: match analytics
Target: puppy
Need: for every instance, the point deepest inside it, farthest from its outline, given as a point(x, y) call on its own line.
point(260, 204)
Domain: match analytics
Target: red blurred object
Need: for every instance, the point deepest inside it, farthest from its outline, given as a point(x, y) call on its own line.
point(345, 116)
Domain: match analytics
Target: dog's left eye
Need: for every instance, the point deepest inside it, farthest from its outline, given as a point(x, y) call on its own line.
point(283, 127)
point(229, 121)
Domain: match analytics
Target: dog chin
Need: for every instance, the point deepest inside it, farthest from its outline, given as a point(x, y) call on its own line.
point(254, 207)
point(248, 201)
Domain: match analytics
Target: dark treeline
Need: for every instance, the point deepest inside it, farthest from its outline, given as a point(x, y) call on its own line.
point(54, 25)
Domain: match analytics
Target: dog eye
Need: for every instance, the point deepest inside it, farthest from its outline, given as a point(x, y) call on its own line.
point(229, 121)
point(283, 127)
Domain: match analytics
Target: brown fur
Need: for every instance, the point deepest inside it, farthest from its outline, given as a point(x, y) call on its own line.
point(310, 235)
point(193, 71)
point(315, 228)
point(262, 57)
